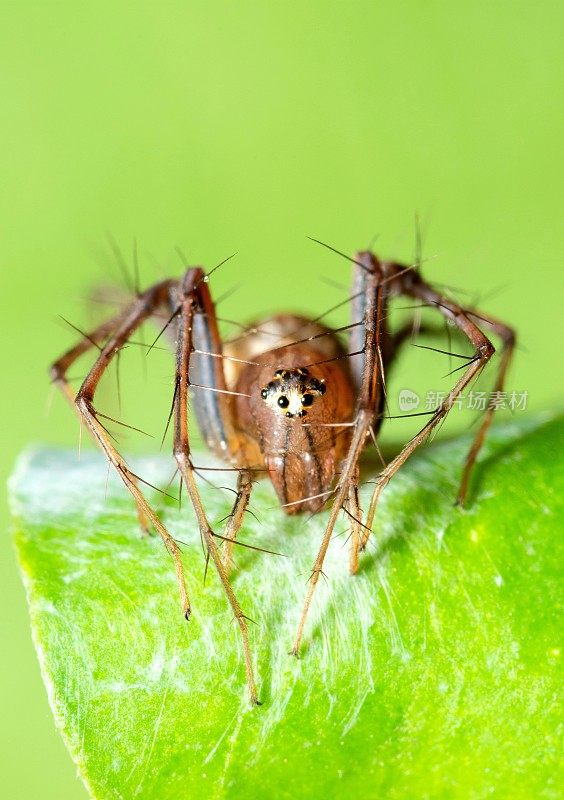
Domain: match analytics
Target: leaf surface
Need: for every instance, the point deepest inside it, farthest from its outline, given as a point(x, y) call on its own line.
point(433, 673)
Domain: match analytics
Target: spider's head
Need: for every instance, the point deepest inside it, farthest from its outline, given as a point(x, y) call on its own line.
point(292, 391)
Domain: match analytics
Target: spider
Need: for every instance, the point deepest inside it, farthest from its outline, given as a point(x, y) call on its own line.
point(302, 410)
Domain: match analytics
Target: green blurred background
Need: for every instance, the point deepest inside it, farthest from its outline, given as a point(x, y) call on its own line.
point(222, 127)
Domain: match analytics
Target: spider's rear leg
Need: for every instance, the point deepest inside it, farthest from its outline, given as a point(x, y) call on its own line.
point(235, 520)
point(508, 338)
point(122, 328)
point(58, 372)
point(413, 286)
point(354, 513)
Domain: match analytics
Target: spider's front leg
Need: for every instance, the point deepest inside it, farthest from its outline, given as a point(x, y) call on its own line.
point(367, 370)
point(197, 335)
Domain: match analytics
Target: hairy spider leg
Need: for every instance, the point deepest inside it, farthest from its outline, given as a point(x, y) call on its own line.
point(214, 417)
point(119, 330)
point(59, 369)
point(235, 520)
point(508, 338)
point(194, 298)
point(368, 401)
point(413, 285)
point(373, 283)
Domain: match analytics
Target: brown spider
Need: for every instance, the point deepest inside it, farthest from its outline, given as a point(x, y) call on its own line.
point(303, 410)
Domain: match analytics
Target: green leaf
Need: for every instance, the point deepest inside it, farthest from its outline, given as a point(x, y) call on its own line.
point(432, 673)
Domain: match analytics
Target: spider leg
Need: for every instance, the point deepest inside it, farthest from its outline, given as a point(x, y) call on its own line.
point(213, 407)
point(190, 300)
point(140, 310)
point(60, 367)
point(355, 514)
point(370, 397)
point(96, 338)
point(347, 474)
point(244, 488)
point(508, 338)
point(414, 286)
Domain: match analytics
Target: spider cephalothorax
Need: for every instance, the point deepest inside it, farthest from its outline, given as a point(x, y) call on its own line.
point(292, 391)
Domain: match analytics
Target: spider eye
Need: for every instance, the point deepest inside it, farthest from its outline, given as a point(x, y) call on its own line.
point(283, 401)
point(307, 400)
point(264, 393)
